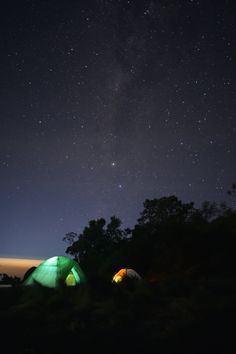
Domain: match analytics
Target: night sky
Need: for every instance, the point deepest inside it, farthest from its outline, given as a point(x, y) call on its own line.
point(106, 103)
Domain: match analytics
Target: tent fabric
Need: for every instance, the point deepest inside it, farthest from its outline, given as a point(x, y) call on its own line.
point(125, 273)
point(56, 271)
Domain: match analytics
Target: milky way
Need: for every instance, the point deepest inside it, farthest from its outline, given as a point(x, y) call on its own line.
point(107, 103)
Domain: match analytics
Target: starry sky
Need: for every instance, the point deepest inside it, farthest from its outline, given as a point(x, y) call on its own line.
point(106, 103)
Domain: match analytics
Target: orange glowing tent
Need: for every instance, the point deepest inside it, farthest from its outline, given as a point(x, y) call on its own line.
point(125, 273)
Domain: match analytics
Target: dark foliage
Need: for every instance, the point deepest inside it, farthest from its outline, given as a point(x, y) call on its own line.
point(170, 236)
point(185, 302)
point(5, 279)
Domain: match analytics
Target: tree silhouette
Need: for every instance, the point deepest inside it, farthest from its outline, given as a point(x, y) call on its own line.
point(71, 238)
point(166, 209)
point(96, 243)
point(7, 279)
point(170, 236)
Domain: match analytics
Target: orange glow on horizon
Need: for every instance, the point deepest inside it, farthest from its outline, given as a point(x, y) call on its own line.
point(17, 266)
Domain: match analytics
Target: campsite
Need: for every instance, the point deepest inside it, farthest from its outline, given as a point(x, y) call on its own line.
point(118, 177)
point(166, 286)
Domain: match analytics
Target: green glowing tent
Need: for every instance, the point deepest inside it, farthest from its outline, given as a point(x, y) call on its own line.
point(56, 271)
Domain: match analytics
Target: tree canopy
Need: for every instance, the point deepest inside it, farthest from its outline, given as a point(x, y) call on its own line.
point(169, 236)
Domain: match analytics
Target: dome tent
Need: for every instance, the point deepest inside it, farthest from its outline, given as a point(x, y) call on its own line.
point(125, 273)
point(56, 271)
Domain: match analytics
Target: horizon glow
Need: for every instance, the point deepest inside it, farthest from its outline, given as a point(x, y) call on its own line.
point(17, 266)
